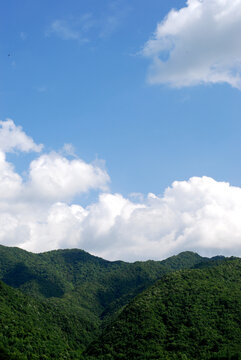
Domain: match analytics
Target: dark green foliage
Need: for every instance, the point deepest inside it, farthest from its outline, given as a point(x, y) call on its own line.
point(97, 285)
point(190, 314)
point(63, 298)
point(56, 303)
point(4, 355)
point(34, 329)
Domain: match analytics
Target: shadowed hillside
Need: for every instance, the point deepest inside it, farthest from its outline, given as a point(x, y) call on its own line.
point(67, 297)
point(189, 314)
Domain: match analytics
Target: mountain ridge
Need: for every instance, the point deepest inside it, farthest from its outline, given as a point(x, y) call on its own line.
point(86, 293)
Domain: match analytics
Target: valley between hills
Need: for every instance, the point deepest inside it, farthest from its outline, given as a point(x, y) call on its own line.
point(68, 304)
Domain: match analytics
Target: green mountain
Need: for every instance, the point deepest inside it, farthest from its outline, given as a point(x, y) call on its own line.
point(33, 329)
point(188, 314)
point(54, 304)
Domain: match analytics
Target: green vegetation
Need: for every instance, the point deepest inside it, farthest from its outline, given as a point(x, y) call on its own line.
point(82, 284)
point(56, 305)
point(190, 314)
point(31, 329)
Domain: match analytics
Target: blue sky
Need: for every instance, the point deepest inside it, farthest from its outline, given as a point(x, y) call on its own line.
point(82, 73)
point(95, 95)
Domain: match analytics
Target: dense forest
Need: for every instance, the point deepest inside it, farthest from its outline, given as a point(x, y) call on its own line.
point(68, 304)
point(189, 314)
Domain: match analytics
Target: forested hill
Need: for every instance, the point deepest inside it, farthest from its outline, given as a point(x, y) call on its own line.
point(54, 273)
point(62, 300)
point(189, 314)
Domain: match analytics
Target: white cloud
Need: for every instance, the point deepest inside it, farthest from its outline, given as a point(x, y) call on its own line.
point(13, 138)
point(28, 208)
point(54, 177)
point(197, 44)
point(200, 214)
point(10, 181)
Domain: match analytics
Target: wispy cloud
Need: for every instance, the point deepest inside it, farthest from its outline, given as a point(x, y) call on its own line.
point(68, 150)
point(89, 26)
point(63, 30)
point(41, 89)
point(71, 29)
point(115, 16)
point(108, 26)
point(23, 35)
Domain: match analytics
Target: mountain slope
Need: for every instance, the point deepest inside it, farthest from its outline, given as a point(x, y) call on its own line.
point(97, 285)
point(74, 292)
point(190, 314)
point(33, 329)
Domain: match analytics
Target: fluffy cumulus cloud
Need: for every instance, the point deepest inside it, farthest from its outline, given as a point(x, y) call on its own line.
point(13, 138)
point(200, 214)
point(41, 212)
point(56, 178)
point(199, 43)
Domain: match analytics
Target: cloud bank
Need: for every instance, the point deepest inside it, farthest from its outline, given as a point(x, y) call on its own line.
point(197, 44)
point(41, 213)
